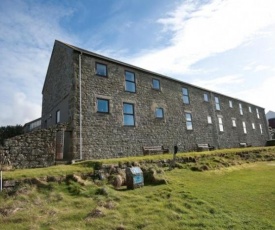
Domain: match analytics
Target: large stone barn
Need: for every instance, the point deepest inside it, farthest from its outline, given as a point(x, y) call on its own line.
point(114, 109)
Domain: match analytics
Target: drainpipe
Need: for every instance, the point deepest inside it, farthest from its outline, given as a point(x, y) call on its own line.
point(80, 110)
point(1, 181)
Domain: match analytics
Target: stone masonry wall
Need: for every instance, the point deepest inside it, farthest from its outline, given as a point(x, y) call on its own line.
point(105, 136)
point(32, 150)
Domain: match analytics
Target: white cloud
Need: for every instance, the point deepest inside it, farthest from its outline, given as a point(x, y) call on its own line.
point(27, 34)
point(201, 31)
point(219, 83)
point(260, 95)
point(19, 110)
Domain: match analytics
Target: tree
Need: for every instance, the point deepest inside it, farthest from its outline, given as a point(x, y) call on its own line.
point(10, 131)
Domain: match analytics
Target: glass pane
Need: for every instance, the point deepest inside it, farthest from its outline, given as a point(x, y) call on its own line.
point(156, 84)
point(216, 100)
point(102, 106)
point(188, 117)
point(101, 69)
point(128, 108)
point(184, 91)
point(206, 97)
point(189, 125)
point(186, 99)
point(218, 107)
point(221, 127)
point(129, 76)
point(129, 120)
point(130, 86)
point(159, 112)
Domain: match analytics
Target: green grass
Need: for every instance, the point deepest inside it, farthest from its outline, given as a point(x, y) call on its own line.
point(239, 197)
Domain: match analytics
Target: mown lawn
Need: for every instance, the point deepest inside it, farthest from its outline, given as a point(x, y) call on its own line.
point(240, 197)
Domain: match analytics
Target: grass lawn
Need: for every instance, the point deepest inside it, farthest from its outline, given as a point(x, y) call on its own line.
point(239, 197)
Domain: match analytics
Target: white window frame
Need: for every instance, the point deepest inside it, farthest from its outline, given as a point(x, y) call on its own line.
point(244, 128)
point(253, 125)
point(230, 104)
point(220, 124)
point(234, 124)
point(241, 108)
point(209, 119)
point(217, 103)
point(257, 112)
point(261, 128)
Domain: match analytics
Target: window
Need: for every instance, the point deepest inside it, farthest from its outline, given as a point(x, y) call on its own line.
point(205, 97)
point(217, 103)
point(250, 110)
point(258, 115)
point(159, 113)
point(185, 96)
point(188, 118)
point(230, 104)
point(253, 126)
point(244, 127)
point(102, 105)
point(234, 122)
point(128, 114)
point(241, 109)
point(209, 120)
point(220, 124)
point(156, 84)
point(57, 116)
point(130, 83)
point(101, 70)
point(261, 129)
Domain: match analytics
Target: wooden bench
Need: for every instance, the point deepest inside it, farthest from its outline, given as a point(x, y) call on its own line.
point(154, 149)
point(201, 147)
point(244, 145)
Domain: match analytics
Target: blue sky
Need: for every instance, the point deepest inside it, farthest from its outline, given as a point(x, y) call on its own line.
point(224, 45)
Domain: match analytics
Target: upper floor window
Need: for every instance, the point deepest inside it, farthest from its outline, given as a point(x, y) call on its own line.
point(253, 126)
point(156, 84)
point(188, 118)
point(217, 103)
point(205, 97)
point(185, 96)
point(244, 128)
point(159, 113)
point(250, 110)
point(130, 82)
point(101, 69)
point(209, 120)
point(257, 112)
point(234, 122)
point(220, 124)
point(57, 116)
point(128, 114)
point(230, 104)
point(241, 109)
point(102, 105)
point(261, 128)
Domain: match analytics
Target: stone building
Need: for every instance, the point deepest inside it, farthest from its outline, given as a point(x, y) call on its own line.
point(113, 109)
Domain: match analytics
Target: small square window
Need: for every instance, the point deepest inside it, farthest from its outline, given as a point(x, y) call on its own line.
point(102, 105)
point(205, 97)
point(156, 84)
point(101, 70)
point(159, 113)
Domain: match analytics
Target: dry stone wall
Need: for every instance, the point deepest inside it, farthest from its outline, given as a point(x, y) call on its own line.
point(32, 150)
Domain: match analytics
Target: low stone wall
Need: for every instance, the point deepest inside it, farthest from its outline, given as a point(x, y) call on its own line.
point(32, 150)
